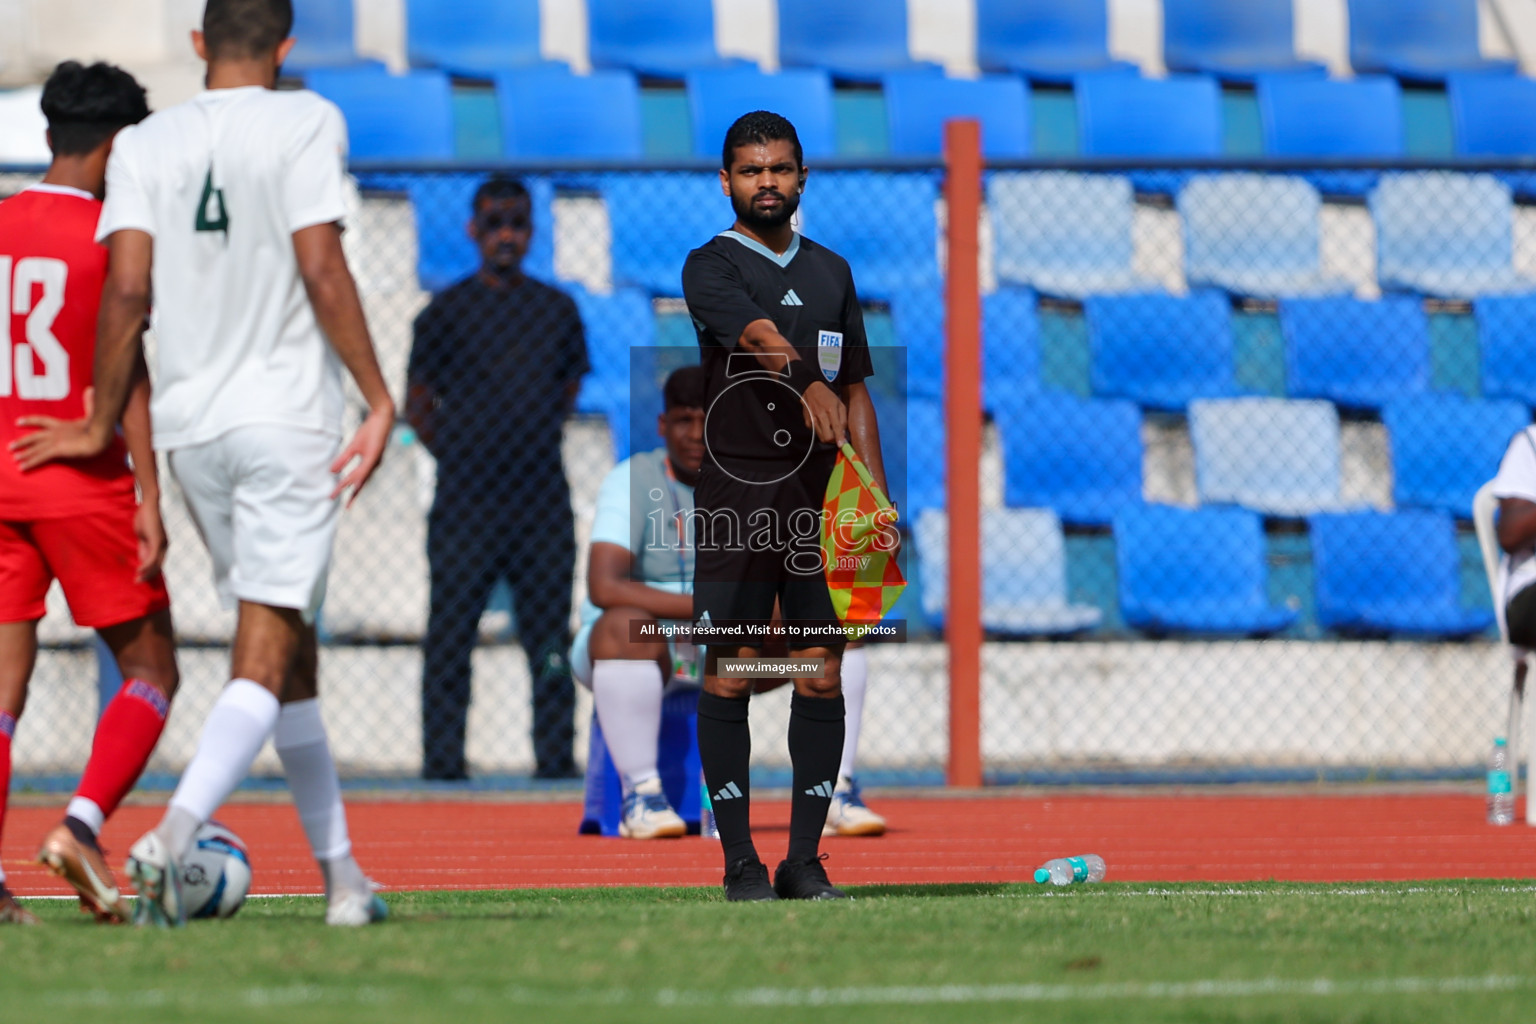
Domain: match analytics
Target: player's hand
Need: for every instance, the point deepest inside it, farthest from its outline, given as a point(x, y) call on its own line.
point(149, 528)
point(825, 413)
point(53, 438)
point(367, 449)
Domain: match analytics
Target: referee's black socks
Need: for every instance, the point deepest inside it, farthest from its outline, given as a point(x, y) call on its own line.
point(815, 751)
point(725, 750)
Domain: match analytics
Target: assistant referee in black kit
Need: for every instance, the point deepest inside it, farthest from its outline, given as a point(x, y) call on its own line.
point(782, 342)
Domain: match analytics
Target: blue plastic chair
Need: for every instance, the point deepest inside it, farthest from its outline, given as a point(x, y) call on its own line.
point(1505, 325)
point(1444, 447)
point(1161, 351)
point(1024, 573)
point(1065, 234)
point(547, 112)
point(924, 460)
point(1396, 573)
point(1447, 235)
point(1081, 457)
point(718, 97)
point(882, 223)
point(1123, 115)
point(1493, 115)
point(1255, 235)
point(1045, 40)
point(442, 203)
point(1233, 41)
point(661, 38)
point(324, 33)
point(1354, 353)
point(613, 323)
point(391, 117)
point(856, 40)
point(1195, 570)
point(1010, 339)
point(1419, 40)
point(1280, 457)
point(1307, 115)
point(917, 104)
point(474, 38)
point(657, 219)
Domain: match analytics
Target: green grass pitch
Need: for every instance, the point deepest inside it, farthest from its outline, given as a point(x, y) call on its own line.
point(1431, 951)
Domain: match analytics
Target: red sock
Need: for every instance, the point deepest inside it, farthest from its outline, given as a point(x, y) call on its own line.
point(125, 737)
point(7, 727)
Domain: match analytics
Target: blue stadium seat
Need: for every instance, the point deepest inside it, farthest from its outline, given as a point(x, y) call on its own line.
point(882, 223)
point(391, 117)
point(325, 37)
point(547, 112)
point(1505, 326)
point(1280, 457)
point(856, 40)
point(1493, 115)
point(1045, 40)
point(1418, 40)
point(1010, 338)
point(925, 465)
point(1024, 573)
point(1307, 115)
point(475, 38)
point(1444, 447)
point(1161, 351)
point(718, 97)
point(1353, 353)
point(614, 323)
point(1080, 457)
point(1233, 41)
point(1396, 573)
point(441, 204)
point(1194, 570)
point(1255, 235)
point(1065, 234)
point(657, 219)
point(662, 38)
point(917, 104)
point(1446, 235)
point(1123, 115)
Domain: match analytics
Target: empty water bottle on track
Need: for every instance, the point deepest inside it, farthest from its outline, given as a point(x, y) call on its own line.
point(1501, 789)
point(1071, 870)
point(707, 827)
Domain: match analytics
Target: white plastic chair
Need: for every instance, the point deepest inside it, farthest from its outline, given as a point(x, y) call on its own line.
point(1484, 505)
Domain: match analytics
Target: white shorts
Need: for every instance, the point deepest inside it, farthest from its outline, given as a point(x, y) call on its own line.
point(687, 662)
point(260, 497)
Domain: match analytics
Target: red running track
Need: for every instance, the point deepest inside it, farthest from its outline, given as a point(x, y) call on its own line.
point(1144, 838)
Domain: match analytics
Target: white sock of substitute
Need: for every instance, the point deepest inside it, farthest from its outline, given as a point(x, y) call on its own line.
point(627, 695)
point(233, 734)
point(305, 751)
point(855, 675)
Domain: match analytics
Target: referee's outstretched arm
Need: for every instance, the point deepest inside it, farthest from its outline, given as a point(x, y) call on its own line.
point(824, 411)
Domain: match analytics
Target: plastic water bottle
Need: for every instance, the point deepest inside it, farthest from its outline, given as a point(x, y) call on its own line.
point(707, 827)
point(1071, 870)
point(1501, 790)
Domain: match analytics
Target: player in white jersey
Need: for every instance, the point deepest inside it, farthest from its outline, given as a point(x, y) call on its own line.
point(228, 209)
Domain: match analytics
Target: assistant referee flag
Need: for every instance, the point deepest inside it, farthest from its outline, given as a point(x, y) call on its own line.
point(863, 576)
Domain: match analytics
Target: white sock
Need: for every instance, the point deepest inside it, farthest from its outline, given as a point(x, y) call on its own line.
point(302, 745)
point(627, 695)
point(855, 675)
point(86, 810)
point(233, 734)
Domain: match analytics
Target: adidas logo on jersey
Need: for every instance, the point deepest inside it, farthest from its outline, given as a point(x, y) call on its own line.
point(822, 789)
point(727, 792)
point(791, 299)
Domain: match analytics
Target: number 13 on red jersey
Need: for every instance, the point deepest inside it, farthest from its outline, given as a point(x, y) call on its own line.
point(37, 368)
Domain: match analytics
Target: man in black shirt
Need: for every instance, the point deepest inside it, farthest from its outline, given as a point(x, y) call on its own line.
point(781, 338)
point(495, 367)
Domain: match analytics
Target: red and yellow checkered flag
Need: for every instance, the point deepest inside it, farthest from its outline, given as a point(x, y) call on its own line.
point(858, 541)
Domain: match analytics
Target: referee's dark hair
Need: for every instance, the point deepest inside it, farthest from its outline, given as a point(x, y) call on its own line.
point(86, 105)
point(496, 188)
point(236, 29)
point(760, 126)
point(684, 389)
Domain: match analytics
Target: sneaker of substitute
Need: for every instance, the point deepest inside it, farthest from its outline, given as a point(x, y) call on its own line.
point(157, 877)
point(805, 880)
point(349, 909)
point(847, 815)
point(647, 815)
point(12, 912)
point(746, 881)
point(83, 866)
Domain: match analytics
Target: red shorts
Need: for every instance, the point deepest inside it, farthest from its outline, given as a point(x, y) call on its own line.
point(94, 555)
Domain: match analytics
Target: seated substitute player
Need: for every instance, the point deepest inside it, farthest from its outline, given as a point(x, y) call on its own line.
point(781, 339)
point(78, 521)
point(1515, 487)
point(638, 576)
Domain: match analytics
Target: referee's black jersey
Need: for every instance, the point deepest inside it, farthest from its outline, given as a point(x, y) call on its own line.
point(808, 293)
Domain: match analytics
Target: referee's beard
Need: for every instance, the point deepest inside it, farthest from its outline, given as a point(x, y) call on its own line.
point(758, 218)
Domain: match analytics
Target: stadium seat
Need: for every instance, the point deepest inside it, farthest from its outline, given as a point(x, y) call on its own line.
point(1255, 235)
point(1045, 40)
point(1233, 41)
point(1391, 572)
point(1417, 40)
point(1505, 326)
point(921, 464)
point(1024, 573)
point(1124, 115)
point(547, 112)
point(1161, 351)
point(1065, 234)
point(660, 38)
point(614, 323)
point(441, 204)
point(883, 223)
point(1493, 114)
point(1445, 446)
point(1446, 235)
point(1194, 570)
point(474, 38)
point(1078, 456)
point(716, 98)
point(1307, 115)
point(1280, 457)
point(917, 104)
point(391, 117)
point(657, 219)
point(325, 34)
point(856, 40)
point(1010, 339)
point(1353, 353)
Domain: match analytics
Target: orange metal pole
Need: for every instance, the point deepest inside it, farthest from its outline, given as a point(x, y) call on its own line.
point(962, 413)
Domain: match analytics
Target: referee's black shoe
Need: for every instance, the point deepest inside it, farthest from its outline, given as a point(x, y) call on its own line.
point(746, 880)
point(805, 880)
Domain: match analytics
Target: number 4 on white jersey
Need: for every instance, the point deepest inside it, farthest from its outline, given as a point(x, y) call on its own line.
point(41, 345)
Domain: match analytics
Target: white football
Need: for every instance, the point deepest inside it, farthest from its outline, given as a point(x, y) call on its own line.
point(216, 873)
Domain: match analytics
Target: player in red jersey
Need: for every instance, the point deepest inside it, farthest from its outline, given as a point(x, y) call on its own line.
point(77, 521)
